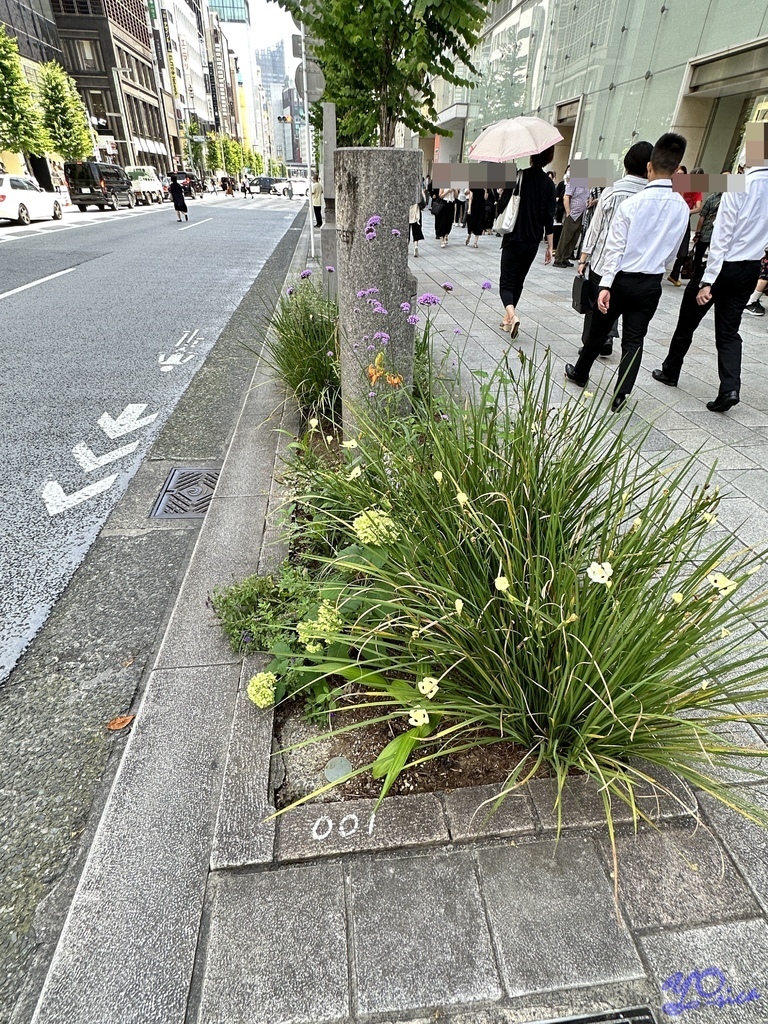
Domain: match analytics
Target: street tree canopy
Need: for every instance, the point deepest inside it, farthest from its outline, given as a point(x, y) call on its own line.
point(381, 57)
point(64, 115)
point(21, 123)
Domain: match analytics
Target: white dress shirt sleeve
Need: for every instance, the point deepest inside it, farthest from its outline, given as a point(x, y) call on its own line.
point(722, 235)
point(615, 246)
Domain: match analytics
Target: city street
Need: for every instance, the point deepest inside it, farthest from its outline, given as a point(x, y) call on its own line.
point(106, 319)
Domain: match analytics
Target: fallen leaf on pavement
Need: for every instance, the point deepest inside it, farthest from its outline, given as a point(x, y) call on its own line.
point(120, 722)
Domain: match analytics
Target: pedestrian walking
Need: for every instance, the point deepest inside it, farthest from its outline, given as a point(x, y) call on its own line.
point(535, 215)
point(559, 207)
point(475, 215)
point(733, 265)
point(574, 204)
point(414, 220)
point(491, 209)
point(593, 251)
point(445, 199)
point(645, 234)
point(694, 203)
point(703, 235)
point(317, 199)
point(755, 307)
point(462, 197)
point(177, 196)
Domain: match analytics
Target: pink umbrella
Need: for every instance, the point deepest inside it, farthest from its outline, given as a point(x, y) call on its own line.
point(512, 138)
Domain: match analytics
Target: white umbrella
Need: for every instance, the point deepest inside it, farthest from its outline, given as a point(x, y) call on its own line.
point(512, 138)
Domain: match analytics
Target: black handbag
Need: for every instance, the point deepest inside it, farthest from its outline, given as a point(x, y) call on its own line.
point(438, 205)
point(686, 271)
point(580, 294)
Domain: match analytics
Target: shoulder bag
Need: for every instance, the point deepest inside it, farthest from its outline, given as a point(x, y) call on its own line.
point(580, 294)
point(438, 204)
point(506, 220)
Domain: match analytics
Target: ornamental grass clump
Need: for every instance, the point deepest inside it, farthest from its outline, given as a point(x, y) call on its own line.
point(301, 346)
point(511, 568)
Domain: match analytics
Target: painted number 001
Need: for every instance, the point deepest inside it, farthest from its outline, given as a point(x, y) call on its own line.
point(347, 827)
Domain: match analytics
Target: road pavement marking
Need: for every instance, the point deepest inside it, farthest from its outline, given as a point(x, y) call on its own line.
point(128, 421)
point(196, 224)
point(56, 500)
point(169, 362)
point(89, 460)
point(33, 284)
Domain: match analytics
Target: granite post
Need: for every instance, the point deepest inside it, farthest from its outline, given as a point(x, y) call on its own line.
point(374, 189)
point(328, 230)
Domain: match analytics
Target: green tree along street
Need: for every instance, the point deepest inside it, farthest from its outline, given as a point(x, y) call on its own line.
point(381, 58)
point(21, 122)
point(195, 148)
point(63, 113)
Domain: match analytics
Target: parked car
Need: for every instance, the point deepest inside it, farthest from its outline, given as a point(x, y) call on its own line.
point(282, 187)
point(104, 185)
point(190, 182)
point(261, 185)
point(300, 186)
point(147, 187)
point(22, 200)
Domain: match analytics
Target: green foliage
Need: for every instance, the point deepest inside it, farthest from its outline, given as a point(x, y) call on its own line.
point(537, 580)
point(275, 168)
point(302, 331)
point(21, 121)
point(64, 115)
point(262, 610)
point(213, 152)
point(196, 149)
point(380, 58)
point(233, 156)
point(257, 167)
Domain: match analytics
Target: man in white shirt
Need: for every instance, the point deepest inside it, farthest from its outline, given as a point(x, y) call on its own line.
point(646, 233)
point(634, 180)
point(733, 264)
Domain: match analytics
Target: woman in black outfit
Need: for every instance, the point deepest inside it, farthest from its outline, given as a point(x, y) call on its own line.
point(535, 216)
point(475, 214)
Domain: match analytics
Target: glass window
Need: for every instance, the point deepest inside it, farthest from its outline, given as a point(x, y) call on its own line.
point(83, 54)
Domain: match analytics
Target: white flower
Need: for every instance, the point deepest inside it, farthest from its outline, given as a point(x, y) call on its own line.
point(418, 716)
point(462, 498)
point(352, 443)
point(600, 572)
point(708, 517)
point(588, 394)
point(721, 583)
point(637, 523)
point(313, 424)
point(328, 438)
point(502, 584)
point(357, 471)
point(458, 604)
point(677, 598)
point(428, 686)
point(437, 475)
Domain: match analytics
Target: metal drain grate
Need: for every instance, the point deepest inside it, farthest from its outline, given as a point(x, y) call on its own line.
point(186, 494)
point(633, 1015)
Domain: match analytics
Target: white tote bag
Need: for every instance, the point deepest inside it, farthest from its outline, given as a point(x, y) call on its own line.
point(506, 220)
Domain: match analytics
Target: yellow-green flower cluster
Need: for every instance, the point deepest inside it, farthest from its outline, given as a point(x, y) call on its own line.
point(324, 628)
point(375, 527)
point(261, 689)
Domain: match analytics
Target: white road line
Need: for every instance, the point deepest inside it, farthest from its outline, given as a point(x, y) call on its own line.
point(195, 225)
point(33, 284)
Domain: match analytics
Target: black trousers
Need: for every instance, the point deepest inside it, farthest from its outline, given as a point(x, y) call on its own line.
point(516, 260)
point(635, 298)
point(318, 210)
point(730, 294)
point(594, 281)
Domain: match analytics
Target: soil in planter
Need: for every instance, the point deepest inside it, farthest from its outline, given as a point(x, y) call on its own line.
point(299, 770)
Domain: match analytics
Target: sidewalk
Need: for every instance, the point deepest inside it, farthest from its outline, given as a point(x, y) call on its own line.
point(192, 910)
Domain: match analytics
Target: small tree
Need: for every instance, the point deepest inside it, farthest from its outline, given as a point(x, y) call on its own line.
point(381, 57)
point(258, 164)
point(21, 121)
point(64, 115)
point(195, 148)
point(274, 167)
point(233, 157)
point(212, 151)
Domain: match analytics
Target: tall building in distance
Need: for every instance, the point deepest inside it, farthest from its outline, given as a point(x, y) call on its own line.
point(271, 61)
point(235, 20)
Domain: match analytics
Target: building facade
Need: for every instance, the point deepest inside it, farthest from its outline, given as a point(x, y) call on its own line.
point(609, 74)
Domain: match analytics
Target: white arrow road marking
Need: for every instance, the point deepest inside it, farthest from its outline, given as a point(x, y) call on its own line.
point(33, 284)
point(168, 363)
point(57, 501)
point(128, 421)
point(89, 460)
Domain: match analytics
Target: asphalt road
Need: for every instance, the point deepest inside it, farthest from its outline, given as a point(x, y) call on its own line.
point(94, 579)
point(136, 306)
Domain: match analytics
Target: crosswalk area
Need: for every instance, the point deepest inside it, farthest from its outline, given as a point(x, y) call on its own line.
point(276, 204)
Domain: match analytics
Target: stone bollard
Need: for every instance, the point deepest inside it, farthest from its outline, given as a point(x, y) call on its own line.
point(376, 348)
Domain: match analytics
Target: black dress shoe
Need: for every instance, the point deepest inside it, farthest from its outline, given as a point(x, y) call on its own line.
point(607, 350)
point(724, 401)
point(570, 373)
point(618, 402)
point(661, 376)
point(562, 264)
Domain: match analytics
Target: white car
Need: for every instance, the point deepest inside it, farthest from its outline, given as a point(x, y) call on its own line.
point(22, 200)
point(146, 185)
point(300, 186)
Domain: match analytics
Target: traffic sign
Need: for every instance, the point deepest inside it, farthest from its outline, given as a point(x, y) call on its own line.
point(315, 81)
point(296, 44)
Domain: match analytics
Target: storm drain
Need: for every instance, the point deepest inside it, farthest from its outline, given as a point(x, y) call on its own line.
point(186, 494)
point(634, 1015)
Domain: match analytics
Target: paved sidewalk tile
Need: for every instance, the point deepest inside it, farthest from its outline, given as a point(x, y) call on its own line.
point(469, 815)
point(277, 952)
point(677, 876)
point(695, 961)
point(554, 917)
point(746, 841)
point(420, 934)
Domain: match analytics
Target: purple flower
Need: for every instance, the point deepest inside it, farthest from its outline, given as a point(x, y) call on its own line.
point(331, 270)
point(289, 292)
point(413, 320)
point(329, 354)
point(427, 299)
point(366, 337)
point(444, 417)
point(381, 336)
point(356, 346)
point(362, 293)
point(486, 285)
point(457, 330)
point(370, 348)
point(372, 291)
point(373, 221)
point(447, 286)
point(395, 232)
point(371, 394)
point(406, 307)
point(305, 274)
point(370, 235)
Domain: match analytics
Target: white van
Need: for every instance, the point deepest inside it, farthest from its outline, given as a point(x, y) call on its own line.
point(147, 187)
